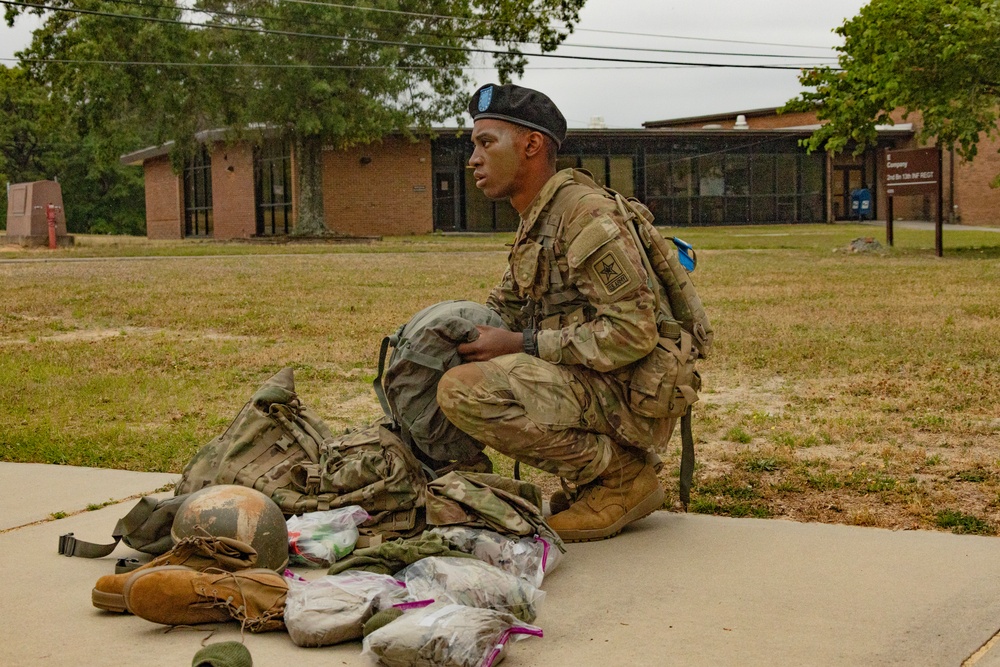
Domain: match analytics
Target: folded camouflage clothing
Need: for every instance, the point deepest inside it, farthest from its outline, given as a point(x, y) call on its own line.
point(333, 609)
point(391, 557)
point(446, 635)
point(473, 583)
point(528, 558)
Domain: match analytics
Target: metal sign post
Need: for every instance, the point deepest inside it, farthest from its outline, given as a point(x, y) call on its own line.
point(914, 171)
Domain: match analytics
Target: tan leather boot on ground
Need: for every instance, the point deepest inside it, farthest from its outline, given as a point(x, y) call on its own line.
point(178, 595)
point(626, 491)
point(196, 552)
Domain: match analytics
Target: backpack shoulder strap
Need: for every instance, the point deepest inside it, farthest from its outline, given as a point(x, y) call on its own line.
point(129, 524)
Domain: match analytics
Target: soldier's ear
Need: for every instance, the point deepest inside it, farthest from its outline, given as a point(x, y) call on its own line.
point(534, 144)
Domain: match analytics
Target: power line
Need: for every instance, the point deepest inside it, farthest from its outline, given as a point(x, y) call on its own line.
point(156, 63)
point(364, 40)
point(238, 15)
point(611, 32)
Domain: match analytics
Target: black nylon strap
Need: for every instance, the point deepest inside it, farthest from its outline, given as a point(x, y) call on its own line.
point(687, 458)
point(377, 382)
point(71, 546)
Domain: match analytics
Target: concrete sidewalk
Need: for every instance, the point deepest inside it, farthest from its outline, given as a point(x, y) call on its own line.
point(671, 590)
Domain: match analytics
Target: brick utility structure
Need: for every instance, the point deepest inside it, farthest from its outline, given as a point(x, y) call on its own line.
point(27, 214)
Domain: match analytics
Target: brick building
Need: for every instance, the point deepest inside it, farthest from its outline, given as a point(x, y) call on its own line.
point(241, 190)
point(737, 168)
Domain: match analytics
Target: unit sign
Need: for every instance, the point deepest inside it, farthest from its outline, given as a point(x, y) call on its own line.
point(911, 171)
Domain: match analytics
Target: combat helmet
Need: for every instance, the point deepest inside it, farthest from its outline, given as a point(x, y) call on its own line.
point(238, 512)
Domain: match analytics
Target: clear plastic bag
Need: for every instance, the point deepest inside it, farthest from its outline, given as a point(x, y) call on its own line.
point(446, 635)
point(472, 583)
point(334, 608)
point(528, 558)
point(317, 539)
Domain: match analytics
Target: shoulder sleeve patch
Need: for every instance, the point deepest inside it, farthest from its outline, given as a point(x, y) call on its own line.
point(590, 239)
point(612, 272)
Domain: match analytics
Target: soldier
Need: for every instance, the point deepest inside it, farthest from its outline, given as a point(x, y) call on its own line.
point(551, 389)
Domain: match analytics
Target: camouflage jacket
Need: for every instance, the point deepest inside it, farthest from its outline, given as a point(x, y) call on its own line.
point(575, 275)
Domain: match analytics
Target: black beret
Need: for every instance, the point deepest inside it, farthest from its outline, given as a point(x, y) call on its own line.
point(521, 106)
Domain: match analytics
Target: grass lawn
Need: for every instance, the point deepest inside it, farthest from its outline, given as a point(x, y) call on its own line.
point(848, 388)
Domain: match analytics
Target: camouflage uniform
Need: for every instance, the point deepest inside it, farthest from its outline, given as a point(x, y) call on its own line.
point(576, 276)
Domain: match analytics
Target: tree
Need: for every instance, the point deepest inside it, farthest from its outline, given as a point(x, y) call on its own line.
point(31, 129)
point(940, 58)
point(38, 141)
point(316, 73)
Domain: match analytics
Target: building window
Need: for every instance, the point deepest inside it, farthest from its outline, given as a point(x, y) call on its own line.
point(273, 187)
point(734, 185)
point(198, 194)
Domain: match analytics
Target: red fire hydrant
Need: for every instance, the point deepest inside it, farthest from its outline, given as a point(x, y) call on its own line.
point(50, 214)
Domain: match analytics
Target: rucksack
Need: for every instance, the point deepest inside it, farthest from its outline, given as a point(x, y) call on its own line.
point(422, 350)
point(666, 382)
point(279, 447)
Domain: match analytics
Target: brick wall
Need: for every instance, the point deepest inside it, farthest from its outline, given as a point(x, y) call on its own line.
point(978, 203)
point(390, 195)
point(233, 206)
point(164, 204)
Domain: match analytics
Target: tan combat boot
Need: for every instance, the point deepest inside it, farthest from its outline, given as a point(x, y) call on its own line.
point(196, 552)
point(626, 491)
point(178, 595)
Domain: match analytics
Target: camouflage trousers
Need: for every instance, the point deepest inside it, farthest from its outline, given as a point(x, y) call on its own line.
point(567, 420)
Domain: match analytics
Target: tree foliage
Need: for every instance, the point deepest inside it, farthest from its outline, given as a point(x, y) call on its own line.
point(940, 58)
point(38, 142)
point(316, 73)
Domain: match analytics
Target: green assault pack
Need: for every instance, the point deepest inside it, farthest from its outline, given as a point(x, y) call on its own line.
point(279, 447)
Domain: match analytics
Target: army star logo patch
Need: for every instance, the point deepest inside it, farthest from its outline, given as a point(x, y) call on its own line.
point(610, 273)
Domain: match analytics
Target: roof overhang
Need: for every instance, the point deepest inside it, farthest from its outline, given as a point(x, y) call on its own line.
point(137, 158)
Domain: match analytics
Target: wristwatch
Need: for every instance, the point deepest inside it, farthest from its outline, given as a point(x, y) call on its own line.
point(531, 342)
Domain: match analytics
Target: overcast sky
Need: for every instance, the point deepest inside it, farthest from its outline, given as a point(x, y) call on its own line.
point(624, 95)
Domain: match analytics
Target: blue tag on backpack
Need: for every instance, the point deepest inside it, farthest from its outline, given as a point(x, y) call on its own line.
point(685, 253)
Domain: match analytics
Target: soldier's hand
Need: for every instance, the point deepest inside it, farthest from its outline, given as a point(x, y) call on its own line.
point(492, 342)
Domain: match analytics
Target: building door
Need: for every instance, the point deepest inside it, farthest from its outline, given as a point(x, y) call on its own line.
point(846, 179)
point(447, 201)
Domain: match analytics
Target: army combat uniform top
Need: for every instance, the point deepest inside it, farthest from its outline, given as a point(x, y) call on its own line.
point(576, 286)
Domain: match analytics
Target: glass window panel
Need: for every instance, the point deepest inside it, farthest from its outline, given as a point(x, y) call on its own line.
point(595, 165)
point(657, 175)
point(681, 213)
point(507, 217)
point(762, 174)
point(811, 209)
point(622, 175)
point(478, 209)
point(812, 173)
point(682, 176)
point(710, 210)
point(737, 178)
point(711, 182)
point(737, 210)
point(762, 209)
point(660, 208)
point(785, 209)
point(786, 175)
point(566, 162)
